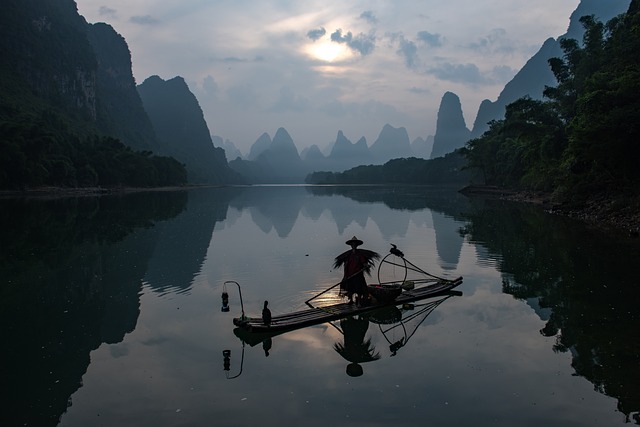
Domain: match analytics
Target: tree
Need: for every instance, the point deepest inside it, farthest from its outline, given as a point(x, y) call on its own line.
point(583, 138)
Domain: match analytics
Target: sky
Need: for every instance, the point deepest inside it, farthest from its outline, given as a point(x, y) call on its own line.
point(317, 67)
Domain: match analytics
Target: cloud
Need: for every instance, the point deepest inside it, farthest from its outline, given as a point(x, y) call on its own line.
point(503, 73)
point(419, 90)
point(433, 40)
point(238, 60)
point(334, 108)
point(369, 16)
point(229, 42)
point(108, 12)
point(409, 51)
point(234, 59)
point(144, 20)
point(244, 95)
point(337, 36)
point(362, 43)
point(316, 34)
point(288, 101)
point(468, 74)
point(495, 42)
point(371, 109)
point(210, 87)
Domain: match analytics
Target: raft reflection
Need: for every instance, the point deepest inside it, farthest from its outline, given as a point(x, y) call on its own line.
point(356, 347)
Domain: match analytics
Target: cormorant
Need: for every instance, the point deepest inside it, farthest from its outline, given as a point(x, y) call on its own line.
point(266, 314)
point(395, 251)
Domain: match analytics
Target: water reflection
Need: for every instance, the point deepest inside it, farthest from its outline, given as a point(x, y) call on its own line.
point(355, 348)
point(73, 273)
point(390, 208)
point(182, 243)
point(396, 324)
point(579, 281)
point(418, 312)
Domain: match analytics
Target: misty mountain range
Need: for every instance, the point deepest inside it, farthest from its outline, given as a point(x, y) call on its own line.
point(451, 130)
point(54, 60)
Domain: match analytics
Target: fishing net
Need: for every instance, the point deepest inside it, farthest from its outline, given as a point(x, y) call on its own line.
point(396, 271)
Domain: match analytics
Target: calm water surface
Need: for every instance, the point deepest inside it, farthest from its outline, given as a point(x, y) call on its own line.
point(111, 312)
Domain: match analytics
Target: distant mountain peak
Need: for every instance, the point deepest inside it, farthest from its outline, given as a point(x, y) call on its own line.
point(344, 150)
point(451, 130)
point(182, 130)
point(282, 139)
point(258, 147)
point(392, 143)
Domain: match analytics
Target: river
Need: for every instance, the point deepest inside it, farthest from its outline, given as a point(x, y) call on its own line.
point(111, 312)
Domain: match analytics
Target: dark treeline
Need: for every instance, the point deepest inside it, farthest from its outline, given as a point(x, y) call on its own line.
point(42, 150)
point(582, 139)
point(449, 169)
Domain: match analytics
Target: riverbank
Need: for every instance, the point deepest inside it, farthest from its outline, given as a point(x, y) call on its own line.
point(54, 192)
point(620, 215)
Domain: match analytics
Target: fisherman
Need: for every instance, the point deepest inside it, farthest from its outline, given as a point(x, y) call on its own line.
point(356, 262)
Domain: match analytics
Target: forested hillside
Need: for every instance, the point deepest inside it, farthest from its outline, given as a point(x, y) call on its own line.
point(54, 129)
point(581, 141)
point(446, 170)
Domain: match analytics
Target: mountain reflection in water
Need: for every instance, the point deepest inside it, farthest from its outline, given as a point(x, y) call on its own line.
point(86, 277)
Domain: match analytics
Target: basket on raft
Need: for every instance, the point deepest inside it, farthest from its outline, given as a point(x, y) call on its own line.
point(385, 293)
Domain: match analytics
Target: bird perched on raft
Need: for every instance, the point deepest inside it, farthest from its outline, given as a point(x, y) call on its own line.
point(266, 314)
point(397, 252)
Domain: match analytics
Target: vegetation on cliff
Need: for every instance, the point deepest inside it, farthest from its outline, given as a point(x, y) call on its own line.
point(581, 142)
point(442, 170)
point(42, 150)
point(55, 129)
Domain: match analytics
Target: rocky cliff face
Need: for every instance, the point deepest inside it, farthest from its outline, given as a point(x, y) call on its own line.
point(230, 150)
point(451, 131)
point(43, 45)
point(120, 112)
point(531, 80)
point(80, 70)
point(536, 74)
point(182, 132)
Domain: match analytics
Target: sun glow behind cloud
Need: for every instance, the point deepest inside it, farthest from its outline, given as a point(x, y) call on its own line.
point(328, 51)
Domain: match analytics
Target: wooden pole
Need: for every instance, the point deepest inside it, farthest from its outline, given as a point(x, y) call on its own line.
point(327, 290)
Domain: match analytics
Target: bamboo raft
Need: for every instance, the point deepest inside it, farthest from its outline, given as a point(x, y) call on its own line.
point(317, 315)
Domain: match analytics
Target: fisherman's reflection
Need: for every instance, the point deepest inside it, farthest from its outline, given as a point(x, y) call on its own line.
point(266, 346)
point(355, 348)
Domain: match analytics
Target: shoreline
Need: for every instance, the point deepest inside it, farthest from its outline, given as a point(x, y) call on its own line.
point(607, 214)
point(54, 192)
